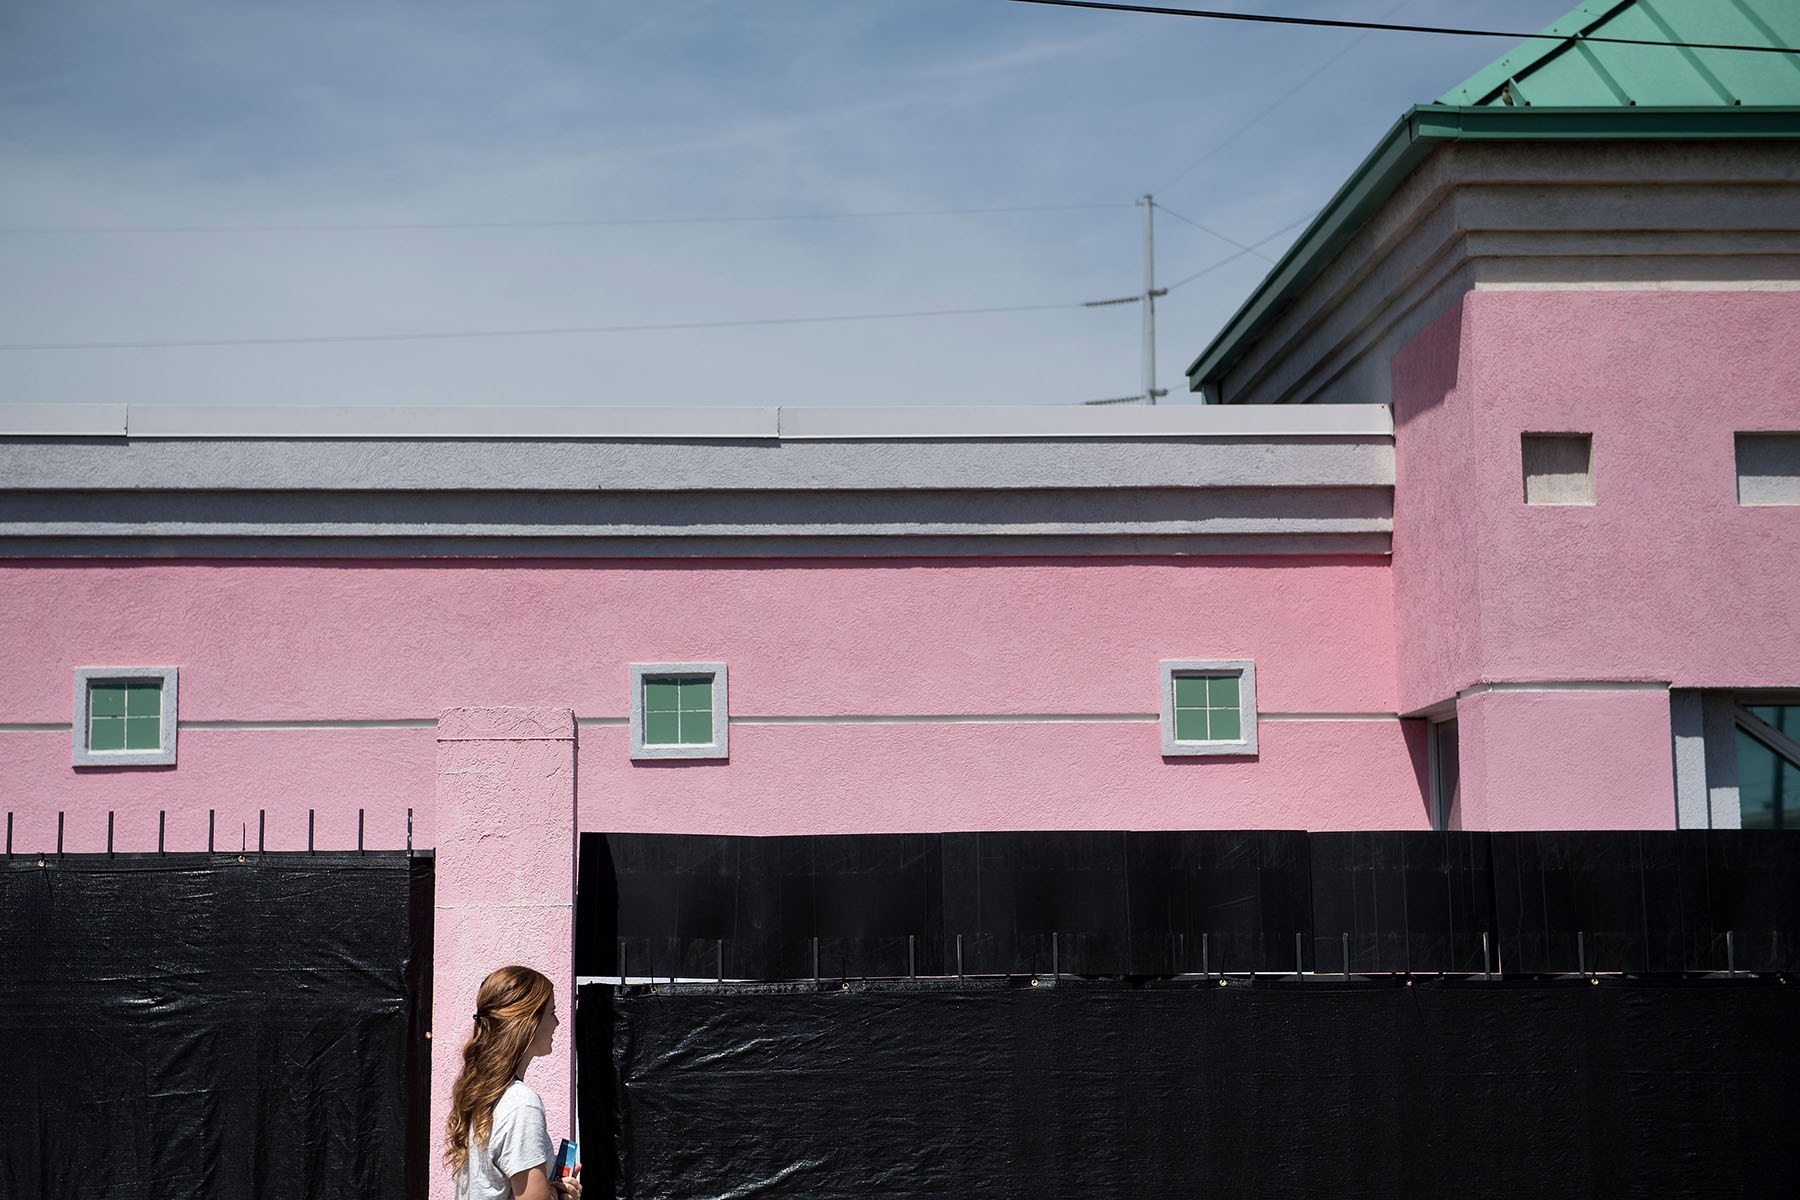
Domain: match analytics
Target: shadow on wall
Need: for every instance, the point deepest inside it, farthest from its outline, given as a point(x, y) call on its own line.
point(1425, 370)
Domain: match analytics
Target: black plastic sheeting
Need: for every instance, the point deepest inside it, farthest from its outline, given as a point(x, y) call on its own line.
point(1168, 903)
point(1085, 1089)
point(205, 1025)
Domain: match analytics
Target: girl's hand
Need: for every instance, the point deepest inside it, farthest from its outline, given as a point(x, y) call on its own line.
point(570, 1188)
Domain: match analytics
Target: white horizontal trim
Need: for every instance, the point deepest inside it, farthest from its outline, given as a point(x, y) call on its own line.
point(688, 423)
point(1328, 716)
point(1572, 685)
point(949, 719)
point(1640, 285)
point(786, 719)
point(403, 723)
point(1066, 421)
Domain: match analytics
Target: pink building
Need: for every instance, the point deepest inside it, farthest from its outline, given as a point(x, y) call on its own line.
point(1491, 522)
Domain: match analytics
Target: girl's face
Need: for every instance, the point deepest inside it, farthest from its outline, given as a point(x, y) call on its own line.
point(542, 1040)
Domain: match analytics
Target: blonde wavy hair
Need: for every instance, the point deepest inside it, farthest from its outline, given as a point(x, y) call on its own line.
point(508, 1008)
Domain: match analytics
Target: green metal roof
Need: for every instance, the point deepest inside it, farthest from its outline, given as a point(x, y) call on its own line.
point(1561, 91)
point(1582, 73)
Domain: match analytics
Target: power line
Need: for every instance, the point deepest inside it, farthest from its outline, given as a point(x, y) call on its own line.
point(561, 331)
point(579, 223)
point(1286, 95)
point(1209, 229)
point(1231, 258)
point(1325, 23)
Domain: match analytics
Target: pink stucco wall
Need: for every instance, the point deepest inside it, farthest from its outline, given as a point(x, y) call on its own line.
point(344, 643)
point(1666, 577)
point(1574, 759)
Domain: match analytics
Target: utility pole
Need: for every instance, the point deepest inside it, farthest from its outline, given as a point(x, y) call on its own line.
point(1150, 295)
point(1148, 299)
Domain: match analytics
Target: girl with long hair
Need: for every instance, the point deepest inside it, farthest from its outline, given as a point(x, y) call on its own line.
point(497, 1143)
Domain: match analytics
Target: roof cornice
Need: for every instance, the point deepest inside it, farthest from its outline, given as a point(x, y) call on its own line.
point(1410, 141)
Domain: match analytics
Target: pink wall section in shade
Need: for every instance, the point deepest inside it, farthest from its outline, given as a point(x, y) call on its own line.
point(1666, 577)
point(786, 779)
point(1565, 760)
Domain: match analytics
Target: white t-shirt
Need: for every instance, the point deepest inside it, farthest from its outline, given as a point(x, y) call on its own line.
point(518, 1141)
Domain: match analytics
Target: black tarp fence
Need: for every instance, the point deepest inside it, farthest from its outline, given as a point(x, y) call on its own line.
point(214, 1025)
point(1169, 903)
point(1278, 1087)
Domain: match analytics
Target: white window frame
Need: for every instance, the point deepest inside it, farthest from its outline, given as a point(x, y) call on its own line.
point(1245, 670)
point(720, 745)
point(164, 755)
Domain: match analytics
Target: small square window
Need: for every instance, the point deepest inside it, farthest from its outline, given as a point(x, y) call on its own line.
point(1208, 707)
point(1558, 467)
point(678, 710)
point(125, 716)
point(1768, 468)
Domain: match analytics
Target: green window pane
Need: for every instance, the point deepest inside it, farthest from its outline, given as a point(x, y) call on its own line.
point(143, 699)
point(1768, 786)
point(662, 729)
point(696, 696)
point(107, 733)
point(662, 695)
point(1222, 692)
point(1225, 727)
point(696, 728)
point(106, 699)
point(143, 733)
point(1190, 691)
point(1190, 724)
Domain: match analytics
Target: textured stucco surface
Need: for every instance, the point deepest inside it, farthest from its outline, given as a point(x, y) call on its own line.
point(1566, 760)
point(505, 887)
point(1665, 578)
point(236, 773)
point(896, 778)
point(333, 641)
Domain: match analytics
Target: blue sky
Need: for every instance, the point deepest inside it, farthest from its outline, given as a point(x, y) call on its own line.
point(158, 114)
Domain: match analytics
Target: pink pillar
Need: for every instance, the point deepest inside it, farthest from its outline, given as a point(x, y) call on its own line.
point(505, 888)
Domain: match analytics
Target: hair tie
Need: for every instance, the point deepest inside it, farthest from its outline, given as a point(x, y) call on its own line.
point(476, 1017)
